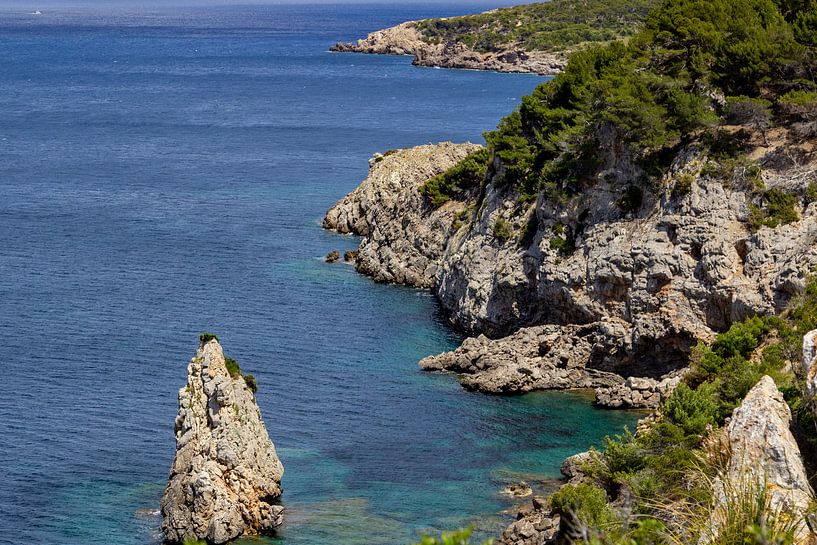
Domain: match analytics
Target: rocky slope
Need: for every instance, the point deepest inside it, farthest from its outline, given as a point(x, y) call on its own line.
point(405, 39)
point(761, 454)
point(644, 284)
point(226, 477)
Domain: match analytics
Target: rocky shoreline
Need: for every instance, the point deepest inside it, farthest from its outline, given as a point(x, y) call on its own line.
point(405, 39)
point(641, 288)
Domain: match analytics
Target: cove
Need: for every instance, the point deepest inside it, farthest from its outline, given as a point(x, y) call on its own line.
point(164, 173)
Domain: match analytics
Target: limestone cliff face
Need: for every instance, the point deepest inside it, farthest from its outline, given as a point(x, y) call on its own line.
point(680, 266)
point(404, 236)
point(405, 39)
point(764, 454)
point(226, 477)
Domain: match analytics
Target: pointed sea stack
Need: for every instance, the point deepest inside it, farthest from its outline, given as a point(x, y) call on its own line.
point(226, 477)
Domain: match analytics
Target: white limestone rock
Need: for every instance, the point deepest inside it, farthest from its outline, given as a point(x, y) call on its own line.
point(226, 477)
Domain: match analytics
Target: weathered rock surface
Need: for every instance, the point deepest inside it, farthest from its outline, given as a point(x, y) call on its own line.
point(550, 357)
point(810, 361)
point(680, 267)
point(535, 525)
point(225, 479)
point(404, 236)
point(764, 454)
point(405, 39)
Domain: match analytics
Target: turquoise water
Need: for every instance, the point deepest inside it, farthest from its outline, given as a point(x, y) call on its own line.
point(165, 173)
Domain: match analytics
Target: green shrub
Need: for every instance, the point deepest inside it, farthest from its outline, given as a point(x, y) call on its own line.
point(461, 217)
point(683, 184)
point(741, 338)
point(232, 367)
point(249, 380)
point(458, 537)
point(630, 200)
point(778, 209)
point(811, 193)
point(799, 98)
point(502, 229)
point(622, 454)
point(580, 505)
point(692, 410)
point(467, 174)
point(207, 337)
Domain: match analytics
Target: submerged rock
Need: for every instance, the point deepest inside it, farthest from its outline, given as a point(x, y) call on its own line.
point(764, 459)
point(226, 477)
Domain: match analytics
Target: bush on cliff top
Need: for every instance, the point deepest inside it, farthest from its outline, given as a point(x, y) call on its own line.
point(232, 367)
point(207, 337)
point(467, 174)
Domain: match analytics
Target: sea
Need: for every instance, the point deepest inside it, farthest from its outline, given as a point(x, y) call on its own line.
point(164, 172)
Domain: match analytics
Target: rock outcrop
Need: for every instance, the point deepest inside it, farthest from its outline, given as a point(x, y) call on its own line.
point(763, 457)
point(404, 236)
point(535, 525)
point(405, 39)
point(226, 477)
point(652, 281)
point(555, 357)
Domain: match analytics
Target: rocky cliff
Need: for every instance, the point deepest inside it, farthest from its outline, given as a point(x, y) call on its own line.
point(632, 289)
point(226, 477)
point(406, 39)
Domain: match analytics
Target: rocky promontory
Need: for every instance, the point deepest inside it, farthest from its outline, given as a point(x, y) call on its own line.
point(636, 291)
point(404, 237)
point(406, 39)
point(226, 477)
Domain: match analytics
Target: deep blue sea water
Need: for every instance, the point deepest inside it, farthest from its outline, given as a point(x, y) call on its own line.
point(164, 173)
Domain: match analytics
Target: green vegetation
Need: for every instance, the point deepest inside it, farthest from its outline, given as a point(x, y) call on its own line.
point(631, 199)
point(668, 467)
point(652, 94)
point(249, 380)
point(458, 537)
point(207, 337)
point(232, 367)
point(194, 541)
point(502, 229)
point(467, 174)
point(563, 241)
point(462, 217)
point(549, 26)
point(777, 209)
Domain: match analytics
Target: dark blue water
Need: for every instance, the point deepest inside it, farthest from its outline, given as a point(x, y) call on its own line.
point(165, 174)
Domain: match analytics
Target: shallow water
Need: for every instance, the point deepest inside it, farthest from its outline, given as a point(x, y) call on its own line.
point(164, 174)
